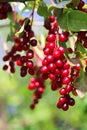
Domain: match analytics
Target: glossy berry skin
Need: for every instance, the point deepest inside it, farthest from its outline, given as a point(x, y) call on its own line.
point(65, 73)
point(30, 54)
point(81, 4)
point(33, 42)
point(52, 19)
point(62, 91)
point(65, 107)
point(31, 86)
point(71, 102)
point(66, 66)
point(62, 50)
point(66, 80)
point(69, 87)
point(23, 71)
point(19, 63)
point(51, 38)
point(44, 69)
point(63, 37)
point(59, 63)
point(61, 102)
point(56, 54)
point(77, 67)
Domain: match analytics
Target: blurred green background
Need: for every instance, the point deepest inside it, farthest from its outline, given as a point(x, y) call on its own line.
point(15, 98)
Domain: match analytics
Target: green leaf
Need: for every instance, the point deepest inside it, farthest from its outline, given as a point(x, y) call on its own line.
point(29, 5)
point(81, 82)
point(77, 20)
point(20, 32)
point(73, 20)
point(11, 16)
point(17, 25)
point(63, 20)
point(73, 4)
point(63, 3)
point(43, 9)
point(81, 49)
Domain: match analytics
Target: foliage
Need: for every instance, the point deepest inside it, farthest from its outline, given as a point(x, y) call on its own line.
point(70, 17)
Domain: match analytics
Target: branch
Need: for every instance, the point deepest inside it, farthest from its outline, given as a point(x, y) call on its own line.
point(13, 0)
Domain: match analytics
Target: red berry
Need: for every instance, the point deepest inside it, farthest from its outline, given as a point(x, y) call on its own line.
point(71, 102)
point(62, 91)
point(65, 72)
point(33, 80)
point(51, 76)
point(51, 38)
point(50, 58)
point(78, 66)
point(62, 50)
point(5, 67)
point(81, 4)
point(85, 44)
point(70, 50)
point(30, 54)
point(47, 51)
point(65, 107)
point(51, 67)
point(44, 69)
point(31, 71)
point(51, 45)
point(66, 80)
point(63, 37)
point(52, 18)
point(33, 42)
point(61, 102)
point(32, 106)
point(56, 54)
point(30, 64)
point(69, 87)
point(19, 63)
point(66, 66)
point(31, 86)
point(59, 63)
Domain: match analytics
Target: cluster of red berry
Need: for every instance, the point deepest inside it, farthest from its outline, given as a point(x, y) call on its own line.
point(38, 85)
point(57, 69)
point(55, 65)
point(22, 44)
point(5, 7)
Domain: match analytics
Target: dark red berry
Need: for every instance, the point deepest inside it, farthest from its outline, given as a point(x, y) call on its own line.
point(65, 107)
point(71, 102)
point(33, 42)
point(5, 67)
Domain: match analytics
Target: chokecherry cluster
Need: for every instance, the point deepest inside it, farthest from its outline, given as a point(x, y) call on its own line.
point(38, 85)
point(5, 7)
point(55, 65)
point(57, 69)
point(22, 44)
